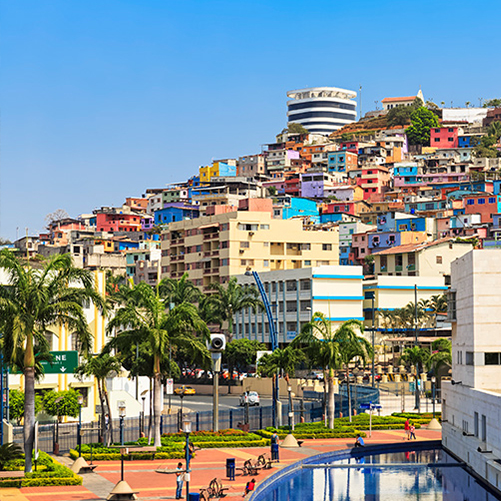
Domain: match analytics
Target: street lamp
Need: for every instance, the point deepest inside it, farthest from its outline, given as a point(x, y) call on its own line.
point(121, 414)
point(142, 417)
point(187, 430)
point(433, 381)
point(80, 403)
point(291, 409)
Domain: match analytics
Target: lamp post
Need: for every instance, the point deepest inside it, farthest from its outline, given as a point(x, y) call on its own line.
point(291, 409)
point(143, 415)
point(187, 430)
point(121, 413)
point(433, 381)
point(80, 403)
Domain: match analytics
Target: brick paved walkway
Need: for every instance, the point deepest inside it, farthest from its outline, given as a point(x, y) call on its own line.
point(208, 464)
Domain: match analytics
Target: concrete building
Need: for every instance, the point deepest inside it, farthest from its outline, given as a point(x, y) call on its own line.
point(420, 259)
point(392, 292)
point(392, 102)
point(445, 137)
point(294, 295)
point(322, 110)
point(471, 402)
point(251, 165)
point(346, 232)
point(216, 247)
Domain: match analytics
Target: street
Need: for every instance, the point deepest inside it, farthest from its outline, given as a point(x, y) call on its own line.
point(199, 403)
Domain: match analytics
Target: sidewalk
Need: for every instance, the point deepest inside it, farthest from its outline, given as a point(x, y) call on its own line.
point(208, 464)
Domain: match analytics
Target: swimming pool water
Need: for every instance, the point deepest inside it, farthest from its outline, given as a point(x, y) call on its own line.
point(388, 483)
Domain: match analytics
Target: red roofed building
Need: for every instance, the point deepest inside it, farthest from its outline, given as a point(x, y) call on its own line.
point(393, 102)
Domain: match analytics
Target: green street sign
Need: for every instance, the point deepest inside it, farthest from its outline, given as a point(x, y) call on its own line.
point(63, 362)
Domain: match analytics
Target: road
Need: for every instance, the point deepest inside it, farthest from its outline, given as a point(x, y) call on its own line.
point(200, 403)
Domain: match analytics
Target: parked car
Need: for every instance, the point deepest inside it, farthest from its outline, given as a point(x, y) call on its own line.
point(184, 390)
point(315, 375)
point(251, 397)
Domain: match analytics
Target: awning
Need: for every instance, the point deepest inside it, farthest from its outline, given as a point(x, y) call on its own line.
point(212, 225)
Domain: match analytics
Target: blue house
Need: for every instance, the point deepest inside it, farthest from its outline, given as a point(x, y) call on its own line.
point(290, 207)
point(176, 211)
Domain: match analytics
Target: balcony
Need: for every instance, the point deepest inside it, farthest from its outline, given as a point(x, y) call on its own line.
point(411, 267)
point(210, 236)
point(398, 267)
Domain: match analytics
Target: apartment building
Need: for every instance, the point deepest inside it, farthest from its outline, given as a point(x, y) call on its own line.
point(420, 259)
point(471, 428)
point(216, 247)
point(294, 295)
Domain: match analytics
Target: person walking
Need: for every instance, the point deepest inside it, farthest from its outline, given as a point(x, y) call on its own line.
point(412, 431)
point(249, 487)
point(407, 429)
point(179, 480)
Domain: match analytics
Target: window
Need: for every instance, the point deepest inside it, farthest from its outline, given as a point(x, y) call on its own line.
point(384, 262)
point(244, 245)
point(398, 260)
point(327, 247)
point(450, 130)
point(266, 244)
point(492, 358)
point(481, 201)
point(265, 226)
point(248, 227)
point(484, 429)
point(470, 201)
point(450, 139)
point(307, 262)
point(439, 259)
point(266, 263)
point(475, 424)
point(492, 200)
point(469, 357)
point(305, 246)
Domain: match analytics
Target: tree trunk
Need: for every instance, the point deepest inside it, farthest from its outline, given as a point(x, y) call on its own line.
point(103, 410)
point(157, 408)
point(331, 399)
point(348, 392)
point(150, 417)
point(29, 416)
point(325, 397)
point(105, 391)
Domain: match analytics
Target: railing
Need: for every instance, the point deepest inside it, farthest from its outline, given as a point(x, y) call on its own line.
point(259, 417)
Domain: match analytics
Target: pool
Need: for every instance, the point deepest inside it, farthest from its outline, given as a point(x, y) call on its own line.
point(406, 473)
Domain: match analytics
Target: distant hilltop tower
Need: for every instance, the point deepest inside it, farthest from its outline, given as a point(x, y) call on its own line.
point(322, 110)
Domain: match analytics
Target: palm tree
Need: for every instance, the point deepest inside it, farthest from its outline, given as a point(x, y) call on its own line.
point(283, 361)
point(322, 349)
point(34, 300)
point(144, 318)
point(441, 354)
point(418, 357)
point(352, 347)
point(231, 299)
point(494, 130)
point(179, 291)
point(101, 367)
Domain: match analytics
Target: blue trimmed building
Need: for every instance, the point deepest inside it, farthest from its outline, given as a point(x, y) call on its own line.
point(294, 295)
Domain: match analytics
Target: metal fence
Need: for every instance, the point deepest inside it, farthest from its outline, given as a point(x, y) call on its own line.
point(66, 434)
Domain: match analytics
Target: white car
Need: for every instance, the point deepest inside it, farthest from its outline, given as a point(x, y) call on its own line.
point(250, 397)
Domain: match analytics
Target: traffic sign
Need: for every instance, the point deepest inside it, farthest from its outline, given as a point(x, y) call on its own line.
point(370, 406)
point(169, 387)
point(63, 362)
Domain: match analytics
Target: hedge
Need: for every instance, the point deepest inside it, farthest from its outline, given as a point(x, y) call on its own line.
point(54, 473)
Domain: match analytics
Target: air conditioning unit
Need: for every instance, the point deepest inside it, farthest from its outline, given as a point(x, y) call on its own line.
point(251, 233)
point(241, 251)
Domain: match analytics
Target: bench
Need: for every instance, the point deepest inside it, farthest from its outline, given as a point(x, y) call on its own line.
point(250, 468)
point(265, 461)
point(12, 474)
point(88, 468)
point(214, 490)
point(300, 443)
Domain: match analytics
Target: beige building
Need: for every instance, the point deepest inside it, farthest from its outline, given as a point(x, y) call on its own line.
point(420, 259)
point(471, 402)
point(217, 247)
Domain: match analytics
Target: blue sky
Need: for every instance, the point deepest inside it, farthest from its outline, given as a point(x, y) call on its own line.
point(100, 100)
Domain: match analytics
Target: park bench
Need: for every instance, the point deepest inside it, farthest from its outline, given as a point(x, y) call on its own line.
point(135, 451)
point(214, 490)
point(265, 461)
point(250, 468)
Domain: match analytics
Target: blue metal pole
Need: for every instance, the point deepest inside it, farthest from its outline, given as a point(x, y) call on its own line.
point(79, 431)
point(2, 404)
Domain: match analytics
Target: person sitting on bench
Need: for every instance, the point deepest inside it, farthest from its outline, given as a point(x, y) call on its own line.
point(359, 442)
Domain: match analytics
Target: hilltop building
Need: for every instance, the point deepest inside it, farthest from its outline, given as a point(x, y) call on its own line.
point(322, 110)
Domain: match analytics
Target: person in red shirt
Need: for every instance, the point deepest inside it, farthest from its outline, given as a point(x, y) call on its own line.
point(249, 487)
point(407, 428)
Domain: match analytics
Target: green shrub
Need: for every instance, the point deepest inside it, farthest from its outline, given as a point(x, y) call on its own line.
point(53, 473)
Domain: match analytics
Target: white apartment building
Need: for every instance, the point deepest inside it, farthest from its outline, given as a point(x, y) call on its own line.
point(471, 402)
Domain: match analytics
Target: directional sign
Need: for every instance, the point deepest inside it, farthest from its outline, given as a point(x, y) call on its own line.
point(370, 406)
point(169, 387)
point(63, 362)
